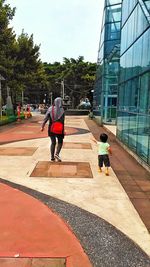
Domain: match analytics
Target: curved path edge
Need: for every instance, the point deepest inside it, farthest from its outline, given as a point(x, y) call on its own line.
point(103, 243)
point(31, 229)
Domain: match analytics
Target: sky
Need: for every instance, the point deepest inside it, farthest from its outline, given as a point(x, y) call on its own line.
point(63, 28)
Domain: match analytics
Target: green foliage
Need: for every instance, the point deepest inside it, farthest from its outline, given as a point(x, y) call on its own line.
point(5, 120)
point(7, 38)
point(19, 58)
point(78, 76)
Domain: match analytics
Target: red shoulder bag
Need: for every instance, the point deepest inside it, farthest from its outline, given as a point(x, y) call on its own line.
point(56, 127)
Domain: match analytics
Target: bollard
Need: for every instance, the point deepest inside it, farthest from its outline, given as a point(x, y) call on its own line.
point(28, 111)
point(25, 114)
point(18, 113)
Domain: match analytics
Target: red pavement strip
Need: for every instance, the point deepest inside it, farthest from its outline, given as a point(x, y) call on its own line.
point(24, 132)
point(28, 228)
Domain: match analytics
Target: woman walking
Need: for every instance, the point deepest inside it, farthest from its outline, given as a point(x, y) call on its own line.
point(56, 117)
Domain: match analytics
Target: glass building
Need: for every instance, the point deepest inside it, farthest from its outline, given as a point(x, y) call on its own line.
point(122, 87)
point(133, 115)
point(106, 84)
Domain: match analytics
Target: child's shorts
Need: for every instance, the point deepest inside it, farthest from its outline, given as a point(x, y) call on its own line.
point(103, 159)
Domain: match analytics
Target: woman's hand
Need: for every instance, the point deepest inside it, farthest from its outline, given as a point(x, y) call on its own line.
point(42, 129)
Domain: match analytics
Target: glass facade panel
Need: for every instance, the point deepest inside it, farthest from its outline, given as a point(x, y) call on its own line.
point(113, 13)
point(143, 136)
point(133, 124)
point(145, 52)
point(147, 3)
point(136, 24)
point(113, 2)
point(119, 124)
point(144, 93)
point(125, 128)
point(122, 84)
point(107, 89)
point(134, 95)
point(127, 8)
point(142, 22)
point(112, 31)
point(132, 131)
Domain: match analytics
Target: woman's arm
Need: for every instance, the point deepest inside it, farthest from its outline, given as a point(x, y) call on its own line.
point(47, 116)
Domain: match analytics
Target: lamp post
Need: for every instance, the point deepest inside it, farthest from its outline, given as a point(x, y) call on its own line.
point(1, 79)
point(51, 98)
point(22, 98)
point(63, 88)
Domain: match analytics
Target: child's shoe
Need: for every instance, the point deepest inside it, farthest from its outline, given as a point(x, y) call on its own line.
point(107, 173)
point(99, 170)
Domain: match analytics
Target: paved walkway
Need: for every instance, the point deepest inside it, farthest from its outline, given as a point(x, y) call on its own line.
point(95, 221)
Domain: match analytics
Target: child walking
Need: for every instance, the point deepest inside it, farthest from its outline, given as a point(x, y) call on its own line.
point(104, 150)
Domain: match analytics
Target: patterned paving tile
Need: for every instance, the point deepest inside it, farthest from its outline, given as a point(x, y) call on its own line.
point(148, 194)
point(135, 195)
point(24, 132)
point(143, 207)
point(144, 184)
point(131, 188)
point(31, 126)
point(128, 171)
point(62, 170)
point(73, 122)
point(72, 145)
point(32, 262)
point(17, 151)
point(48, 263)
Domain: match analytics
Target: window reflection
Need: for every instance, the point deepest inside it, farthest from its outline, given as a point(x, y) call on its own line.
point(143, 136)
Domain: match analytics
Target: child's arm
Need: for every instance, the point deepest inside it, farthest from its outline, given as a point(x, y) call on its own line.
point(110, 150)
point(94, 140)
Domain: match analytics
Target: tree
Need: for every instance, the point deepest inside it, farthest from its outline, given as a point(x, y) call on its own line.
point(7, 39)
point(28, 73)
point(78, 78)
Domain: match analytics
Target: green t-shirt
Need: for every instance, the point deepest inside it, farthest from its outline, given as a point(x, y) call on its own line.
point(103, 148)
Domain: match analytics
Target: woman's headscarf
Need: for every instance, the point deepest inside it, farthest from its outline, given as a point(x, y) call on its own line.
point(58, 108)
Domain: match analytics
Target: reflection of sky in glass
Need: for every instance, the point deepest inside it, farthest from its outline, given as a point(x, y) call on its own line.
point(147, 2)
point(113, 2)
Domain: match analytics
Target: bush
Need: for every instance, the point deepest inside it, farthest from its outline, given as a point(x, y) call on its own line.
point(6, 120)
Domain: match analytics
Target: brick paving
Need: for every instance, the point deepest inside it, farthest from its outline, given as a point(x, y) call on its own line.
point(17, 151)
point(30, 130)
point(62, 169)
point(32, 262)
point(105, 245)
point(132, 176)
point(74, 145)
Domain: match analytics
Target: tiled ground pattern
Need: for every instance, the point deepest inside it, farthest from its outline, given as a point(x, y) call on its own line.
point(17, 151)
point(132, 176)
point(28, 130)
point(103, 243)
point(73, 145)
point(31, 262)
point(62, 170)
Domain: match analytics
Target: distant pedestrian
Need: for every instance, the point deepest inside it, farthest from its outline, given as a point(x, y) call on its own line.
point(104, 150)
point(56, 117)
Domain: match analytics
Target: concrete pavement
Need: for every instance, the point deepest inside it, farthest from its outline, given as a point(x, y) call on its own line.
point(97, 199)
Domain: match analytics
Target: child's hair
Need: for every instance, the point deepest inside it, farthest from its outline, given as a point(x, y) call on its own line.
point(103, 137)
